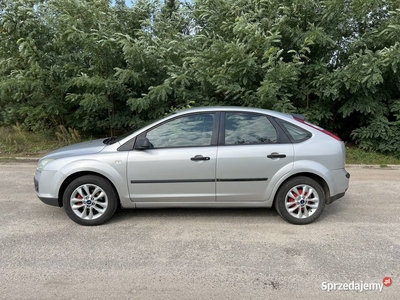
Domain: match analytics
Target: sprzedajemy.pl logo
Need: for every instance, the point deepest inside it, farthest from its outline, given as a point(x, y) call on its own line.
point(360, 286)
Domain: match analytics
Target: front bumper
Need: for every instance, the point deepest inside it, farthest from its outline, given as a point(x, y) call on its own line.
point(36, 183)
point(48, 201)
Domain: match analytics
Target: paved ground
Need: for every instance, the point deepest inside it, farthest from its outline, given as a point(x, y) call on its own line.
point(200, 253)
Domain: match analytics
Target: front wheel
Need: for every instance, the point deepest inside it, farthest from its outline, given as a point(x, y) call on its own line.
point(300, 200)
point(90, 200)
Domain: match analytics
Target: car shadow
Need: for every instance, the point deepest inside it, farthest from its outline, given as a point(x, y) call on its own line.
point(268, 215)
point(193, 213)
point(333, 210)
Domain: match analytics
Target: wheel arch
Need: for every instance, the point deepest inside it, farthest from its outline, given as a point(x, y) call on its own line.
point(76, 175)
point(321, 181)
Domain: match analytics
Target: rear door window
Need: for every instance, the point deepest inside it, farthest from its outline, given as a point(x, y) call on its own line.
point(248, 128)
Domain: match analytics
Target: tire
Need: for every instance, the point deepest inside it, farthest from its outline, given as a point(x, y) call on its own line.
point(300, 200)
point(90, 200)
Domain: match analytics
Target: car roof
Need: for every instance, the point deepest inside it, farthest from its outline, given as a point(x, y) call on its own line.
point(234, 108)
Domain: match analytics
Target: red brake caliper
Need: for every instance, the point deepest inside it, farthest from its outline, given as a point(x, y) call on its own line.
point(292, 200)
point(79, 197)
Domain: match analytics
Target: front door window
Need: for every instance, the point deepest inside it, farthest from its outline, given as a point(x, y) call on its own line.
point(188, 131)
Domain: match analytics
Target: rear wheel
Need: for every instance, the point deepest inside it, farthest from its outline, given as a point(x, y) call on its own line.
point(90, 200)
point(300, 200)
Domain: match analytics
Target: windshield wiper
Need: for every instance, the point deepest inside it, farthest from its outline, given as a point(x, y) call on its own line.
point(110, 140)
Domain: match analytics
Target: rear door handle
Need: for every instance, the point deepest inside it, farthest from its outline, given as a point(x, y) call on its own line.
point(276, 155)
point(200, 157)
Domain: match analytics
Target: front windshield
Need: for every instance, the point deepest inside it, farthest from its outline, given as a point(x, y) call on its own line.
point(115, 139)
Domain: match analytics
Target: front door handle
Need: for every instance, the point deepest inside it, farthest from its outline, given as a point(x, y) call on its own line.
point(200, 157)
point(276, 155)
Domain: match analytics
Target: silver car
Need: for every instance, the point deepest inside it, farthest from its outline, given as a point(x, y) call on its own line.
point(202, 157)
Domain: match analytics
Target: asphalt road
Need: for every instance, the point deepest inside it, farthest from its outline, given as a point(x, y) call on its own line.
point(200, 253)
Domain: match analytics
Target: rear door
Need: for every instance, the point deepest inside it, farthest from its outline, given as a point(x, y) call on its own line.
point(251, 151)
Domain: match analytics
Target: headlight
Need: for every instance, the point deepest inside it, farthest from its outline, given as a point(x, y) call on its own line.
point(42, 163)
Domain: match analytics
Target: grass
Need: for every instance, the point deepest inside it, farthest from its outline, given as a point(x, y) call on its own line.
point(16, 141)
point(355, 155)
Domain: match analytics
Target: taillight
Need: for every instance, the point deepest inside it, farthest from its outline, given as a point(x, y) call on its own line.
point(318, 128)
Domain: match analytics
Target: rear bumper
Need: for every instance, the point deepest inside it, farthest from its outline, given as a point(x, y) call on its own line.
point(334, 198)
point(342, 180)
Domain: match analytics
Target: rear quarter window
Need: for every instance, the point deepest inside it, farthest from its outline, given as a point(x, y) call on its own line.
point(296, 133)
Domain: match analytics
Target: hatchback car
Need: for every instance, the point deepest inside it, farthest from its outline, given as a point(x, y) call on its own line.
point(202, 157)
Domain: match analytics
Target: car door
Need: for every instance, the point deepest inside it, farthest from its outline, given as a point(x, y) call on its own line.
point(252, 150)
point(180, 165)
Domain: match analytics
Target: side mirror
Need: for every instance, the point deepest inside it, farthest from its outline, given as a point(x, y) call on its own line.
point(142, 144)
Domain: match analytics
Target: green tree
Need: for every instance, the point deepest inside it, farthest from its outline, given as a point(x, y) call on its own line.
point(97, 66)
point(26, 92)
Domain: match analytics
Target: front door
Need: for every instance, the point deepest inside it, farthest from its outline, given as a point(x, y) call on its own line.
point(179, 166)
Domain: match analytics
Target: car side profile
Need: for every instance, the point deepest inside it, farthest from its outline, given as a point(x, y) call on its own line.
point(201, 157)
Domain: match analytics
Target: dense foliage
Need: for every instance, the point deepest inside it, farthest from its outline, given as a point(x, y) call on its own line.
point(96, 66)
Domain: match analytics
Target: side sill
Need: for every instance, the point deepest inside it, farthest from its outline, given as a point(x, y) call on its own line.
point(215, 204)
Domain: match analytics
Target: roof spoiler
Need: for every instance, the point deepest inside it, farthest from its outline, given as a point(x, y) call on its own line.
point(299, 116)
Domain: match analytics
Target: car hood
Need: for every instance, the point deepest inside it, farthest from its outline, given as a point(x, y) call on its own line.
point(90, 147)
